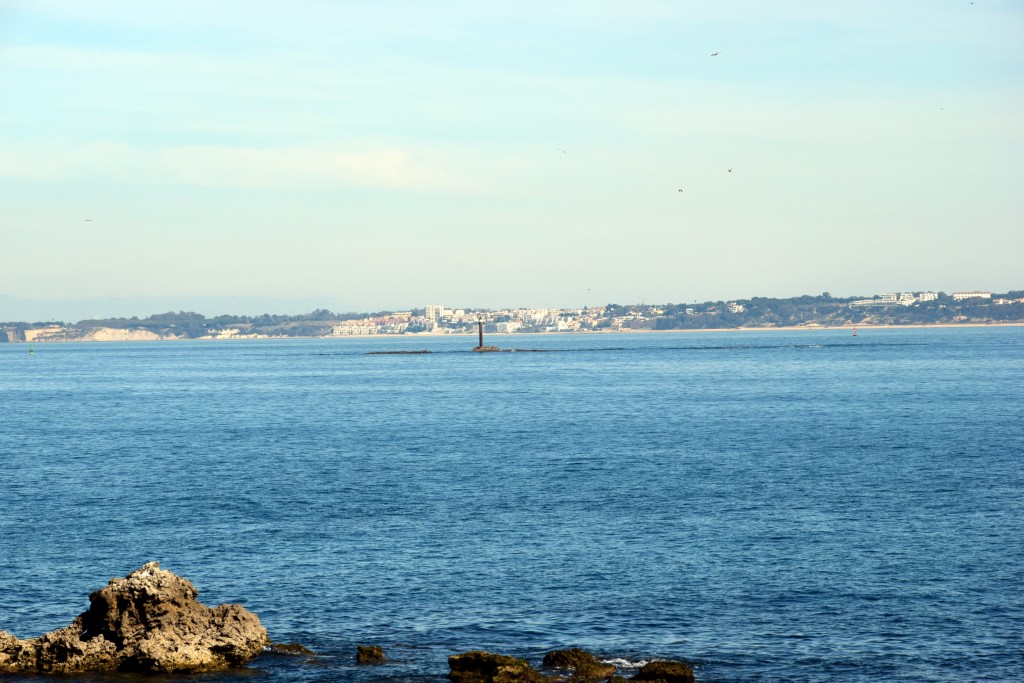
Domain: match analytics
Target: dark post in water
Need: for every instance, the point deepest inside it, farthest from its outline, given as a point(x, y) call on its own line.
point(481, 348)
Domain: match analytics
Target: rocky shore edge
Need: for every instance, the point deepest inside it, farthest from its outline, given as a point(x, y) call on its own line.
point(151, 622)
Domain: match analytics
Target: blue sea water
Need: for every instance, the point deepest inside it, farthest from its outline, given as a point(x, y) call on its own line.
point(784, 505)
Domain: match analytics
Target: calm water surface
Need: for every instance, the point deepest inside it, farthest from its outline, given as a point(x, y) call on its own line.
point(800, 506)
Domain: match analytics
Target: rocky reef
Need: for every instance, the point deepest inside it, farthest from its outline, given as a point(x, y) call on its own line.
point(575, 666)
point(478, 666)
point(582, 664)
point(149, 621)
point(369, 654)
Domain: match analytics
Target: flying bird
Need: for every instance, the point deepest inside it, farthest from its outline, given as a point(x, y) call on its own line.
point(730, 170)
point(560, 150)
point(680, 189)
point(714, 54)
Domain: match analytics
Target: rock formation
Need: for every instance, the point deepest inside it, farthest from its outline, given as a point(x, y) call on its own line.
point(583, 665)
point(369, 654)
point(485, 667)
point(149, 621)
point(665, 672)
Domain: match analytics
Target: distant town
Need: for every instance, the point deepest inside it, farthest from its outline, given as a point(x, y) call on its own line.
point(892, 308)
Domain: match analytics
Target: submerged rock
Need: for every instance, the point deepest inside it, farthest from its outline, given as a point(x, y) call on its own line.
point(149, 621)
point(486, 667)
point(369, 654)
point(291, 649)
point(582, 664)
point(665, 671)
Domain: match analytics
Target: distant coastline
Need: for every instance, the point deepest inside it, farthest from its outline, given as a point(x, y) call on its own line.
point(105, 335)
point(823, 312)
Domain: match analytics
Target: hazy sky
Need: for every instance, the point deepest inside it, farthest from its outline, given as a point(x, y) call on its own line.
point(229, 155)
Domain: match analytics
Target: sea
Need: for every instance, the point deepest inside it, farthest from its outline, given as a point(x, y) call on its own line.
point(799, 505)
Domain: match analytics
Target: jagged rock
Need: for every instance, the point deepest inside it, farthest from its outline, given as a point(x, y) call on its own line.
point(485, 667)
point(665, 672)
point(149, 621)
point(369, 654)
point(582, 664)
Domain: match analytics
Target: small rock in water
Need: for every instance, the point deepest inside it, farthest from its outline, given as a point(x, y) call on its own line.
point(583, 665)
point(485, 667)
point(663, 670)
point(290, 649)
point(149, 621)
point(369, 654)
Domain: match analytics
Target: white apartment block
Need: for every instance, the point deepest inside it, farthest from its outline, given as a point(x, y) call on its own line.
point(960, 296)
point(888, 299)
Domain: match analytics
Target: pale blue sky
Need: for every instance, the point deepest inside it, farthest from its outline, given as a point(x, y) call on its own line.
point(237, 156)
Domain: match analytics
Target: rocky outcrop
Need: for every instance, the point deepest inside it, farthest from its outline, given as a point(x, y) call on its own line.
point(369, 654)
point(665, 672)
point(149, 621)
point(583, 665)
point(486, 667)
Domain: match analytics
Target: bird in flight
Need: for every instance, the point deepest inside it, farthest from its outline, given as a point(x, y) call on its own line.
point(714, 54)
point(680, 189)
point(730, 170)
point(560, 150)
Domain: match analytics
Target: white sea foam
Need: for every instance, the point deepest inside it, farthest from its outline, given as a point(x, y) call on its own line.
point(624, 663)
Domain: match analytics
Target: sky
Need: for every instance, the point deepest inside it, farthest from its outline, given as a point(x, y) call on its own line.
point(250, 156)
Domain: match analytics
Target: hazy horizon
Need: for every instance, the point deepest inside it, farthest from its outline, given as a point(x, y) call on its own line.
point(345, 155)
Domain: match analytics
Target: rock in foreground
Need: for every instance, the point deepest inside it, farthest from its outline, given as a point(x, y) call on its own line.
point(486, 667)
point(149, 621)
point(665, 671)
point(583, 665)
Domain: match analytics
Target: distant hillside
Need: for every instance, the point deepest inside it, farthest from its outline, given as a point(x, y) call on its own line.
point(922, 308)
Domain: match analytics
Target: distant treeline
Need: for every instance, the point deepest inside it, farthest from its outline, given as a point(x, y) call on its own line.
point(190, 324)
point(824, 310)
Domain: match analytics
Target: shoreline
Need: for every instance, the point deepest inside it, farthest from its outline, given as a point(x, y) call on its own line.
point(433, 335)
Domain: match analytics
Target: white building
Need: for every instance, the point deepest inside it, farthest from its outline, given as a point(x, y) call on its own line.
point(960, 296)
